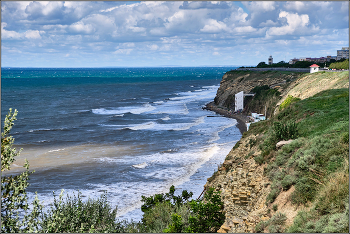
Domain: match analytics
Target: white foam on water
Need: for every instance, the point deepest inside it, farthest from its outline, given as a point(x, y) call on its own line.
point(123, 110)
point(141, 165)
point(153, 126)
point(50, 151)
point(143, 126)
point(166, 118)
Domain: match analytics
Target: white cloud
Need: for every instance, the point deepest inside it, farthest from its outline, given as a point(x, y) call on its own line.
point(245, 29)
point(176, 29)
point(153, 47)
point(82, 28)
point(295, 23)
point(214, 26)
point(268, 23)
point(260, 5)
point(295, 5)
point(123, 51)
point(32, 34)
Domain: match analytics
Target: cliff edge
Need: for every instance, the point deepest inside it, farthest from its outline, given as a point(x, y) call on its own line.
point(289, 173)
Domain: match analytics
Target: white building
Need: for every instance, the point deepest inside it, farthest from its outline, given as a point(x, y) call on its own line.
point(270, 61)
point(239, 98)
point(314, 68)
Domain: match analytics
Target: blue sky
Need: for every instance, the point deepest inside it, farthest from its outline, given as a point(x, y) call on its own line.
point(143, 34)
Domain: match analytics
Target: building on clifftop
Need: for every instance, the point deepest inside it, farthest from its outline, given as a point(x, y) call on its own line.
point(314, 68)
point(270, 61)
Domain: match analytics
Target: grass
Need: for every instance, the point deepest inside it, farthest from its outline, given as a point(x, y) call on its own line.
point(316, 162)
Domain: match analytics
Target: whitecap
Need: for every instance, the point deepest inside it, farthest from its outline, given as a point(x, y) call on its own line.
point(141, 165)
point(123, 110)
point(166, 118)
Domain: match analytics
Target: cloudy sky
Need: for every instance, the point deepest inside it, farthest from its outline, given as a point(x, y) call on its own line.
point(142, 34)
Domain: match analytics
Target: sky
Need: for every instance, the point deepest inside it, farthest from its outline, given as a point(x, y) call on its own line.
point(169, 33)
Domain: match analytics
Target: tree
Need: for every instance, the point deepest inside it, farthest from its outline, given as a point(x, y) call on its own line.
point(262, 64)
point(13, 188)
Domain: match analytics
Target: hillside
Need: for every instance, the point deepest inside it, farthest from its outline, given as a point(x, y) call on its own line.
point(270, 185)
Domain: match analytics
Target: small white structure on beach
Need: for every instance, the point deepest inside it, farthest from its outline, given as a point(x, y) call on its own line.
point(239, 97)
point(314, 68)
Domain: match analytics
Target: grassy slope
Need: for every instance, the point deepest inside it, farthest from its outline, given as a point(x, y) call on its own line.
point(316, 163)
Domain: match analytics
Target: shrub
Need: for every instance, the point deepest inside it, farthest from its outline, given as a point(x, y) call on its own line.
point(181, 215)
point(74, 215)
point(276, 223)
point(286, 131)
point(272, 195)
point(209, 215)
point(260, 226)
point(275, 207)
point(176, 226)
point(259, 159)
point(150, 202)
point(13, 188)
point(288, 181)
point(305, 190)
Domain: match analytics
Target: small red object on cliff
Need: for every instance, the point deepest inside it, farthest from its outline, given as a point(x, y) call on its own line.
point(314, 65)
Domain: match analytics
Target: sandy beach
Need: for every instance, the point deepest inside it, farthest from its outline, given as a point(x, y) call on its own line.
point(241, 118)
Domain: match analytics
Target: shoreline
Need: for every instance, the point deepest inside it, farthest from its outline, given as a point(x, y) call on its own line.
point(241, 119)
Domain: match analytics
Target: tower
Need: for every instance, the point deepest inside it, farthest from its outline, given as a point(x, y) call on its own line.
point(270, 60)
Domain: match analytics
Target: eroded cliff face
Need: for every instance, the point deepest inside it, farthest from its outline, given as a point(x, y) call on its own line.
point(242, 183)
point(243, 189)
point(237, 81)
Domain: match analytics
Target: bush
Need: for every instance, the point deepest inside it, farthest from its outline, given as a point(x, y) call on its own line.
point(288, 181)
point(150, 202)
point(272, 195)
point(276, 223)
point(74, 215)
point(275, 207)
point(286, 131)
point(183, 215)
point(209, 215)
point(13, 188)
point(305, 190)
point(259, 159)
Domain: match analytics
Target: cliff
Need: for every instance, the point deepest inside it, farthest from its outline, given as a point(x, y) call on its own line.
point(269, 184)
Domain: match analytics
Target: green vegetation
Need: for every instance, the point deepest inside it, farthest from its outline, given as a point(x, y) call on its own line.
point(13, 188)
point(162, 212)
point(316, 162)
point(274, 225)
point(264, 96)
point(289, 100)
point(340, 65)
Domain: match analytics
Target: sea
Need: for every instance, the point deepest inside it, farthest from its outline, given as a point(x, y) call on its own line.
point(126, 132)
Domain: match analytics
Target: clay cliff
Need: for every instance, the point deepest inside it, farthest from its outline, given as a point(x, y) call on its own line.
point(260, 184)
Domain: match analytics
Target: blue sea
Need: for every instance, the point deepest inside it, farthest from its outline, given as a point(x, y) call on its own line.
point(125, 131)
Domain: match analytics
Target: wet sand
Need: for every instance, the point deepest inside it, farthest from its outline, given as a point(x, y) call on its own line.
point(241, 118)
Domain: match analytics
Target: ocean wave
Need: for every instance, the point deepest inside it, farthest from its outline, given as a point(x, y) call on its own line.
point(47, 129)
point(140, 166)
point(50, 151)
point(166, 118)
point(123, 110)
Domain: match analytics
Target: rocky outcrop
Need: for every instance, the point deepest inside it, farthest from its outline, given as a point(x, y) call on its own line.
point(243, 189)
point(236, 81)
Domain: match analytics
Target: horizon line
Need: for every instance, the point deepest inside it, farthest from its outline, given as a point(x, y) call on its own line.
point(137, 66)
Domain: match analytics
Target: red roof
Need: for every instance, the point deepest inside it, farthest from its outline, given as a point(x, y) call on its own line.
point(314, 65)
